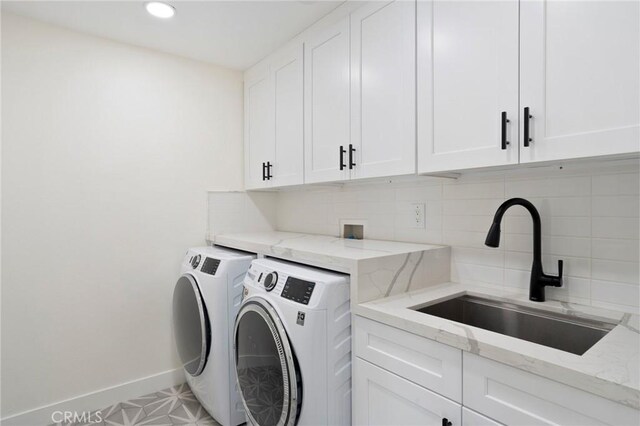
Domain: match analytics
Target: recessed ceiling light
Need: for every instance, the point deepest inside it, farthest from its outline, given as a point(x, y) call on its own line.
point(160, 10)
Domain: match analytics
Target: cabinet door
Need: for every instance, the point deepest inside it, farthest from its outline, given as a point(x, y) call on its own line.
point(383, 89)
point(515, 397)
point(287, 75)
point(327, 103)
point(428, 363)
point(580, 78)
point(382, 398)
point(258, 125)
point(467, 77)
point(471, 418)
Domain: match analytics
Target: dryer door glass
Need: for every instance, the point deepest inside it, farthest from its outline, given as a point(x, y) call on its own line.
point(268, 375)
point(190, 325)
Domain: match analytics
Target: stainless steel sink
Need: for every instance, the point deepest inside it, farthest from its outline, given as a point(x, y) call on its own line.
point(564, 332)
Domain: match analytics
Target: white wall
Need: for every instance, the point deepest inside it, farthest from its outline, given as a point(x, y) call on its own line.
point(232, 212)
point(108, 153)
point(590, 219)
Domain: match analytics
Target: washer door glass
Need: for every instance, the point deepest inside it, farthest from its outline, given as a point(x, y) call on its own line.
point(190, 325)
point(268, 375)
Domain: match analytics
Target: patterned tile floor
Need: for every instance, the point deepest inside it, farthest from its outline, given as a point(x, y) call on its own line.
point(169, 407)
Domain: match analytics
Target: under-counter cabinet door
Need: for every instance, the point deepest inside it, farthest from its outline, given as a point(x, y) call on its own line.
point(383, 89)
point(515, 397)
point(580, 78)
point(326, 112)
point(471, 418)
point(258, 126)
point(287, 75)
point(382, 398)
point(467, 84)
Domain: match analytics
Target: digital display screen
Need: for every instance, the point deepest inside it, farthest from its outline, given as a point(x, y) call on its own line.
point(210, 266)
point(298, 290)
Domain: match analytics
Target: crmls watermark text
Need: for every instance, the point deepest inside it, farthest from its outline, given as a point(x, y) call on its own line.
point(75, 417)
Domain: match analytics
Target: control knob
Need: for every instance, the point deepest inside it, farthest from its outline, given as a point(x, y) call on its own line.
point(270, 281)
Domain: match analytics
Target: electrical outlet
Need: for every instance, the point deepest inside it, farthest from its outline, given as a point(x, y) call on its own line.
point(417, 215)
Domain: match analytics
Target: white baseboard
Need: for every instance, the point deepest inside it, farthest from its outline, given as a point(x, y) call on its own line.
point(99, 399)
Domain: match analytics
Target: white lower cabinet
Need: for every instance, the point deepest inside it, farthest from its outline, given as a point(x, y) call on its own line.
point(515, 397)
point(400, 378)
point(471, 418)
point(429, 364)
point(383, 398)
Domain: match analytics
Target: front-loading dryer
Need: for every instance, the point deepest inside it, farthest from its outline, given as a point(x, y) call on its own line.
point(292, 343)
point(206, 300)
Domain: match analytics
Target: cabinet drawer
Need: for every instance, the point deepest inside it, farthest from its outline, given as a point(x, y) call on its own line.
point(382, 398)
point(471, 418)
point(428, 363)
point(513, 396)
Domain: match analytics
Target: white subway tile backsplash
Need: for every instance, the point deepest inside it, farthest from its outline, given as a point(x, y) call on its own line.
point(615, 292)
point(469, 191)
point(591, 221)
point(559, 246)
point(557, 187)
point(477, 274)
point(617, 184)
point(610, 270)
point(455, 238)
point(471, 207)
point(615, 249)
point(467, 223)
point(615, 227)
point(478, 256)
point(558, 226)
point(617, 206)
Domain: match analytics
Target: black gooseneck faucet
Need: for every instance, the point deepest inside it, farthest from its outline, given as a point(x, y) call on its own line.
point(539, 280)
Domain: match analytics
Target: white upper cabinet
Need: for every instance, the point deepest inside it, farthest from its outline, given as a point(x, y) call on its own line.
point(258, 125)
point(580, 78)
point(389, 88)
point(287, 75)
point(326, 111)
point(274, 137)
point(467, 84)
point(383, 89)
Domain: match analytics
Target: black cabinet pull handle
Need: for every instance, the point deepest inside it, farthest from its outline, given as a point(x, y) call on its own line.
point(527, 116)
point(352, 163)
point(505, 120)
point(264, 171)
point(269, 175)
point(342, 152)
point(446, 422)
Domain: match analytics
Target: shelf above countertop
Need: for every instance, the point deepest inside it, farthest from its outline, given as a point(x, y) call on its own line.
point(610, 368)
point(323, 251)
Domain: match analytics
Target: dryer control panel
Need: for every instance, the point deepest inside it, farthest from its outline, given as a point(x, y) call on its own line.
point(298, 290)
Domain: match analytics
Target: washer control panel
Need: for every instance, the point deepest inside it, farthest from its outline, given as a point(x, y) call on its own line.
point(298, 290)
point(210, 266)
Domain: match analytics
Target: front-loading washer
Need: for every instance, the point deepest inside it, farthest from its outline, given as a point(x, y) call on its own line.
point(206, 300)
point(292, 343)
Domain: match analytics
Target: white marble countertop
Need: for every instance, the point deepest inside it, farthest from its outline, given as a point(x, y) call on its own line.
point(611, 368)
point(318, 250)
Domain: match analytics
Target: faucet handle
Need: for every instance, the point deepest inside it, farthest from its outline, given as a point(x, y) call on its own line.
point(560, 270)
